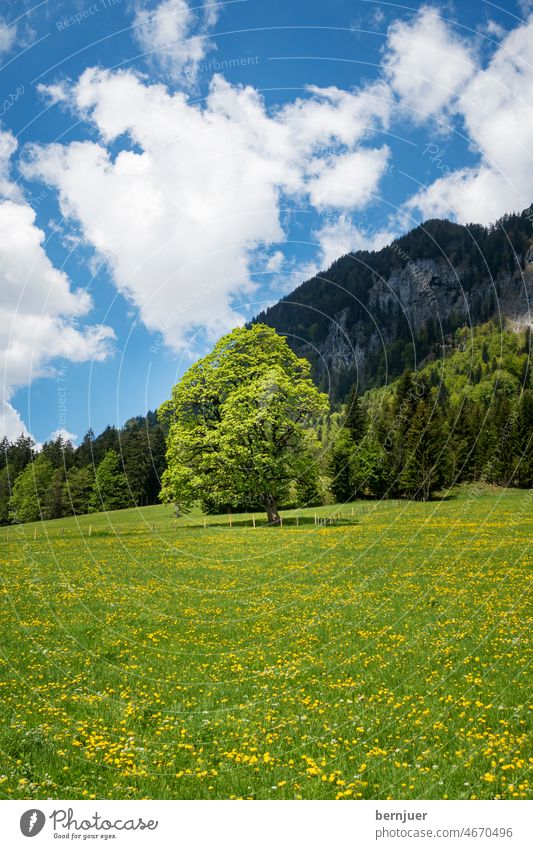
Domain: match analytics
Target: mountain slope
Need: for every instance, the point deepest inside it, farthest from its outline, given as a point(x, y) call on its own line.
point(374, 313)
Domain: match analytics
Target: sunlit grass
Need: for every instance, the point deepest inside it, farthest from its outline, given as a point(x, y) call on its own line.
point(382, 656)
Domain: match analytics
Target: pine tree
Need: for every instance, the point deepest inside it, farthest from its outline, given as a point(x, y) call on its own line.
point(426, 462)
point(5, 495)
point(135, 450)
point(53, 504)
point(77, 490)
point(110, 490)
point(355, 421)
point(340, 466)
point(524, 436)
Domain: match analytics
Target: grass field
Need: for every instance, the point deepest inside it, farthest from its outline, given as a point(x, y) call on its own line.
point(382, 656)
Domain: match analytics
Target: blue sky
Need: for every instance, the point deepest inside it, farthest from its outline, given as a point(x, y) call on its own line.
point(168, 169)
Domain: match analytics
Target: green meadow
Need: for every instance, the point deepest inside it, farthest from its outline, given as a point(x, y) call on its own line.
point(382, 654)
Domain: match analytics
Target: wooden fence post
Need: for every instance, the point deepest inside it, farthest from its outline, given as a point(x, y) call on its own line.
point(297, 520)
point(253, 520)
point(229, 514)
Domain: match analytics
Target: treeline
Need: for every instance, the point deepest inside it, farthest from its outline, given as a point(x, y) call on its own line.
point(466, 418)
point(119, 468)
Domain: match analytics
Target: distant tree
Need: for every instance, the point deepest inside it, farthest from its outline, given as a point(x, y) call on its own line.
point(29, 492)
point(108, 440)
point(340, 469)
point(4, 447)
point(60, 453)
point(19, 454)
point(524, 435)
point(84, 453)
point(370, 468)
point(308, 487)
point(5, 495)
point(426, 463)
point(110, 489)
point(355, 420)
point(77, 490)
point(135, 452)
point(240, 423)
point(53, 503)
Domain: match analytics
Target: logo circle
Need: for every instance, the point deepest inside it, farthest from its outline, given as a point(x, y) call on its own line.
point(32, 822)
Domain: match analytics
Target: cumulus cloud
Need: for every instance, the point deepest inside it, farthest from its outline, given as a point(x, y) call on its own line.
point(496, 107)
point(341, 235)
point(39, 312)
point(175, 35)
point(349, 180)
point(330, 116)
point(426, 63)
point(8, 36)
point(65, 435)
point(179, 218)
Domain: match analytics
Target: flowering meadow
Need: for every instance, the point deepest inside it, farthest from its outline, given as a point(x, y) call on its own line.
point(381, 656)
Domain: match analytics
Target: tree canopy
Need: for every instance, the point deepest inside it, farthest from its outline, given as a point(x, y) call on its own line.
point(240, 424)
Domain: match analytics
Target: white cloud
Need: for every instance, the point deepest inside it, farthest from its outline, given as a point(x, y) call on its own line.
point(54, 92)
point(179, 220)
point(275, 261)
point(331, 116)
point(493, 29)
point(342, 235)
point(11, 424)
point(497, 109)
point(525, 6)
point(175, 34)
point(38, 310)
point(347, 181)
point(8, 36)
point(65, 435)
point(426, 63)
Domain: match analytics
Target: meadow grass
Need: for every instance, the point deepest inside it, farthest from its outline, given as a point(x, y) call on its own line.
point(385, 656)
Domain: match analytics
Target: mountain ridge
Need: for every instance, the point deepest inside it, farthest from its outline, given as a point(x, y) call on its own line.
point(372, 314)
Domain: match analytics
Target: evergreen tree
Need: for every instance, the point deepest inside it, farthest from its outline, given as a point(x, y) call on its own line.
point(77, 490)
point(110, 490)
point(355, 421)
point(53, 504)
point(19, 454)
point(4, 446)
point(340, 466)
point(524, 439)
point(370, 468)
point(135, 450)
point(84, 453)
point(426, 464)
point(5, 495)
point(59, 452)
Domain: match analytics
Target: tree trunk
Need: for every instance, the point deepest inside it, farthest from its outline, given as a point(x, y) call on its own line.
point(272, 512)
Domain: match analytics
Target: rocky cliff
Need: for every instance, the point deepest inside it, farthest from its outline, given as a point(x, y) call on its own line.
point(373, 314)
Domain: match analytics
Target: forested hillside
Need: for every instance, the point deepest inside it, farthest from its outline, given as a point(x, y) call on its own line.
point(373, 314)
point(467, 417)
